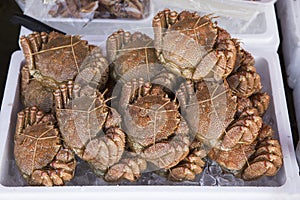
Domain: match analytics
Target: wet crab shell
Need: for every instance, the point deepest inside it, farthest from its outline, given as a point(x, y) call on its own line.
point(168, 153)
point(129, 167)
point(266, 161)
point(94, 70)
point(73, 9)
point(130, 9)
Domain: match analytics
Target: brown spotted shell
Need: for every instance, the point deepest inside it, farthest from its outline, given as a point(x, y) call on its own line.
point(81, 119)
point(132, 56)
point(150, 119)
point(36, 141)
point(54, 57)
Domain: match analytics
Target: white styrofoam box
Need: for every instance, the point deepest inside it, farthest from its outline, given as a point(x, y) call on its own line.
point(282, 186)
point(289, 15)
point(256, 22)
point(296, 97)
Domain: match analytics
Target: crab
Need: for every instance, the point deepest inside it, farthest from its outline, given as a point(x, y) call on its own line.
point(34, 93)
point(74, 8)
point(38, 149)
point(155, 129)
point(208, 107)
point(132, 56)
point(54, 58)
point(135, 9)
point(244, 83)
point(243, 57)
point(206, 51)
point(261, 102)
point(244, 130)
point(261, 157)
point(89, 127)
point(233, 161)
point(94, 70)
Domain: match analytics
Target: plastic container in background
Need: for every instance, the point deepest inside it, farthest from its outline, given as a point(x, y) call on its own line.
point(282, 186)
point(296, 97)
point(253, 22)
point(289, 15)
point(21, 3)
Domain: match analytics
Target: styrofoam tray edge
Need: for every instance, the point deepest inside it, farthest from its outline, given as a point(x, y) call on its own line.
point(8, 99)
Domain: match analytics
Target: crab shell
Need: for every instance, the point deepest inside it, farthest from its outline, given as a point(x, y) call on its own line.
point(80, 119)
point(193, 46)
point(36, 143)
point(154, 126)
point(148, 118)
point(73, 9)
point(94, 70)
point(53, 58)
point(208, 107)
point(38, 149)
point(129, 167)
point(191, 165)
point(241, 131)
point(89, 127)
point(132, 56)
point(234, 160)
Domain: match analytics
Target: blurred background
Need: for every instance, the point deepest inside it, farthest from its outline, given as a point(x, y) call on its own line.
point(9, 34)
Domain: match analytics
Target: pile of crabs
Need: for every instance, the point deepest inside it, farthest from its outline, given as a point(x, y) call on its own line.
point(167, 104)
point(133, 9)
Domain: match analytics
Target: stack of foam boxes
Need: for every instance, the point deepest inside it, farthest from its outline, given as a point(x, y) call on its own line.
point(289, 15)
point(253, 23)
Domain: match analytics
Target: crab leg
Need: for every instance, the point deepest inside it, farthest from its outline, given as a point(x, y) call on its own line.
point(112, 48)
point(57, 97)
point(25, 43)
point(128, 168)
point(127, 37)
point(20, 123)
point(126, 95)
point(182, 98)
